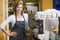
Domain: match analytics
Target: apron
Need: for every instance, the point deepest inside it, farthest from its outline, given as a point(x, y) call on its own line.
point(19, 28)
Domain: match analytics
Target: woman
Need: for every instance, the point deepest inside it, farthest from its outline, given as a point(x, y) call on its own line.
point(19, 22)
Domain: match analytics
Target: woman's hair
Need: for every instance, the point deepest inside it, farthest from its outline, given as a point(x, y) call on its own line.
point(15, 6)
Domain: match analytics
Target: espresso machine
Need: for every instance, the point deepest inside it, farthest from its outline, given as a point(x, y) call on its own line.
point(36, 26)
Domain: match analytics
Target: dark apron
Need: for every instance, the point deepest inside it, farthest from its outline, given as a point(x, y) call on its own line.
point(19, 28)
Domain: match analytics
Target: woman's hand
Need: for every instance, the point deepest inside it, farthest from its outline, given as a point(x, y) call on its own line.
point(12, 34)
point(9, 34)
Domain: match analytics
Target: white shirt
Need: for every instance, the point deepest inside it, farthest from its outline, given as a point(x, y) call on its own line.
point(12, 19)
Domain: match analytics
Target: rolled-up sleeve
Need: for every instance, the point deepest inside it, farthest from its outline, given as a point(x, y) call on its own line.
point(2, 26)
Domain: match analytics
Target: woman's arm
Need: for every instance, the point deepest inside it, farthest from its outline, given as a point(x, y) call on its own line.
point(26, 22)
point(8, 20)
point(9, 34)
point(2, 26)
point(5, 31)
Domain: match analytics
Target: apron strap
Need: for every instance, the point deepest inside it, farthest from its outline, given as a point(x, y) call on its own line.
point(24, 18)
point(15, 18)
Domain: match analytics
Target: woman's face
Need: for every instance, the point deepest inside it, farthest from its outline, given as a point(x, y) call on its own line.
point(19, 8)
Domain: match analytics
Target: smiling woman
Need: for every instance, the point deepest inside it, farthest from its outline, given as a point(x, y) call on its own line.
point(19, 22)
